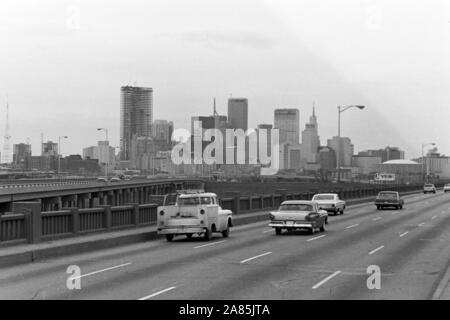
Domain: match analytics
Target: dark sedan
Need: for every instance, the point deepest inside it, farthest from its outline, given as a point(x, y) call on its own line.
point(389, 199)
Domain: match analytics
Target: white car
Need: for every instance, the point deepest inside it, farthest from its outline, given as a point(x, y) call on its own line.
point(193, 213)
point(330, 202)
point(429, 187)
point(447, 187)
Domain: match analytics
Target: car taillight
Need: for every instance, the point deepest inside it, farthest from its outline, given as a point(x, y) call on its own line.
point(161, 212)
point(202, 211)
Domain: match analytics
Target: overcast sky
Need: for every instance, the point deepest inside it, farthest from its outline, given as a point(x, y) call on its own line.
point(62, 64)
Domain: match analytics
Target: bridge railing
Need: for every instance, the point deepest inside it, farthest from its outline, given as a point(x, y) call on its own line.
point(28, 224)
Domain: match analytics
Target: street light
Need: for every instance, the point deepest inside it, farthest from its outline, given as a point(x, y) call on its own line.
point(423, 160)
point(59, 152)
point(340, 110)
point(107, 145)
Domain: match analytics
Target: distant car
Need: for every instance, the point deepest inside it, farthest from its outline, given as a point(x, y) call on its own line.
point(387, 199)
point(447, 187)
point(298, 215)
point(330, 202)
point(429, 187)
point(102, 179)
point(115, 179)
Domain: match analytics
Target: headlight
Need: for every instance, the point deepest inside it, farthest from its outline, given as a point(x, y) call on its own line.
point(271, 217)
point(202, 211)
point(161, 212)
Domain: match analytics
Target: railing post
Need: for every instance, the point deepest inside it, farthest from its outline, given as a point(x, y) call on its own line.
point(107, 218)
point(33, 225)
point(75, 220)
point(135, 214)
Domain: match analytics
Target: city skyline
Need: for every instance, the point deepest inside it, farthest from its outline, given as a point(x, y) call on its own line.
point(298, 68)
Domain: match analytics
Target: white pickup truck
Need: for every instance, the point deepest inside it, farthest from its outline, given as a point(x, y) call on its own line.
point(197, 213)
point(330, 202)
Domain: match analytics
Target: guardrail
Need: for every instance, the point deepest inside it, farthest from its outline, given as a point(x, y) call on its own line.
point(27, 224)
point(43, 184)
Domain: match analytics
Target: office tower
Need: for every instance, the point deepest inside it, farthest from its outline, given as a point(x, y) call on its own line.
point(238, 113)
point(310, 140)
point(287, 121)
point(345, 152)
point(162, 130)
point(21, 152)
point(49, 148)
point(136, 116)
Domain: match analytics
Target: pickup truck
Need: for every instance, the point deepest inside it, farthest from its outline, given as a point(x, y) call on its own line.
point(330, 202)
point(193, 213)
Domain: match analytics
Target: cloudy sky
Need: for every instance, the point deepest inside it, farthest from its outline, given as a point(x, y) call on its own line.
point(62, 64)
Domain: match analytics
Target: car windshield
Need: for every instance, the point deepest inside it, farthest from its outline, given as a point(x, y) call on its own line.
point(205, 200)
point(324, 197)
point(296, 207)
point(387, 195)
point(190, 201)
point(429, 185)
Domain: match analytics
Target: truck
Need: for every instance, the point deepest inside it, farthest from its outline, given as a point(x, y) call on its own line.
point(193, 213)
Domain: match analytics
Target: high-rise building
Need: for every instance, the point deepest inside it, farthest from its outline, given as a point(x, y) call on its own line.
point(345, 153)
point(49, 148)
point(287, 121)
point(238, 113)
point(21, 152)
point(136, 116)
point(386, 154)
point(310, 140)
point(104, 153)
point(162, 130)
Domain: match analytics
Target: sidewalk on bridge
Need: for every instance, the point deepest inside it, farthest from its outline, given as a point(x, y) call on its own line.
point(26, 253)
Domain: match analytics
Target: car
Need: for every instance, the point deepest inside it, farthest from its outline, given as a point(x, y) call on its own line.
point(193, 213)
point(298, 215)
point(330, 202)
point(447, 187)
point(102, 179)
point(115, 179)
point(429, 187)
point(387, 199)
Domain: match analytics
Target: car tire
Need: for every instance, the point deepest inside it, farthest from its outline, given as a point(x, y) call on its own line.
point(378, 207)
point(208, 235)
point(312, 231)
point(226, 232)
point(326, 221)
point(169, 237)
point(322, 228)
point(189, 235)
point(277, 231)
point(342, 211)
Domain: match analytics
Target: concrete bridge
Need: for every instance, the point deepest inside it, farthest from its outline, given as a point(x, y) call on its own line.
point(94, 193)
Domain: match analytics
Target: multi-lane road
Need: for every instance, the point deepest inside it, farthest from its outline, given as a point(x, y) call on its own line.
point(409, 246)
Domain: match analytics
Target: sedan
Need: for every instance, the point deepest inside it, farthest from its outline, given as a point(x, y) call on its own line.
point(389, 199)
point(298, 215)
point(447, 187)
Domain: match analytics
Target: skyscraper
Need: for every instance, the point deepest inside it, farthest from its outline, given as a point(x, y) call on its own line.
point(238, 113)
point(287, 121)
point(310, 139)
point(136, 116)
point(21, 152)
point(162, 130)
point(346, 149)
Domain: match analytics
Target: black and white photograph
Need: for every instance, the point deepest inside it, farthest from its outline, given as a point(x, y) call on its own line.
point(220, 157)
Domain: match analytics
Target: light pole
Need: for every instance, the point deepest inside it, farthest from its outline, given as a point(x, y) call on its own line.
point(59, 152)
point(423, 160)
point(107, 148)
point(340, 110)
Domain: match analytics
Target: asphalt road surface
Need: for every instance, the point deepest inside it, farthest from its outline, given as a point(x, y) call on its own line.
point(409, 246)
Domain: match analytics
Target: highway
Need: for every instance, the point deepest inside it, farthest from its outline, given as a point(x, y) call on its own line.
point(410, 247)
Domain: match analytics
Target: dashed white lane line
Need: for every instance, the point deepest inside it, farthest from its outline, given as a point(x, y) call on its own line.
point(404, 234)
point(267, 231)
point(375, 219)
point(377, 249)
point(421, 224)
point(103, 270)
point(352, 226)
point(331, 276)
point(156, 293)
point(315, 238)
point(433, 217)
point(209, 244)
point(256, 257)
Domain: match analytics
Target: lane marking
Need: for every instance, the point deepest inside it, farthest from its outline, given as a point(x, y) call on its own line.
point(103, 270)
point(433, 217)
point(315, 238)
point(157, 293)
point(404, 234)
point(331, 276)
point(377, 249)
point(256, 257)
point(267, 231)
point(421, 224)
point(210, 244)
point(395, 212)
point(352, 226)
point(375, 219)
